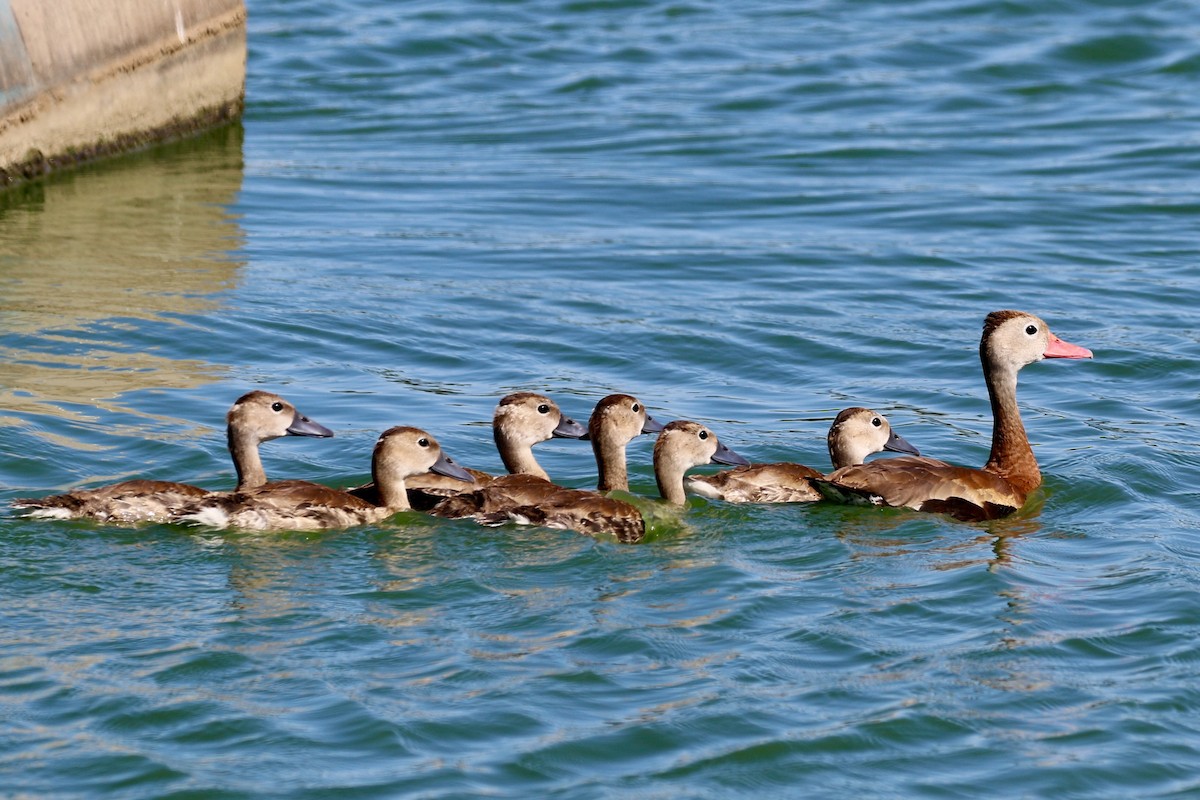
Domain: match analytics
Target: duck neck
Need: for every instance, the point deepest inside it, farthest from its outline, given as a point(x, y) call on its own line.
point(1011, 457)
point(393, 495)
point(669, 476)
point(610, 463)
point(517, 457)
point(243, 448)
point(845, 454)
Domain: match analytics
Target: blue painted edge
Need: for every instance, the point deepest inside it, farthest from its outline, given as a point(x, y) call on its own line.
point(16, 70)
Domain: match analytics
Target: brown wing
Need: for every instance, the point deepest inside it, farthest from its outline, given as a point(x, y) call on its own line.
point(582, 511)
point(126, 502)
point(281, 505)
point(500, 494)
point(926, 484)
point(759, 483)
point(290, 494)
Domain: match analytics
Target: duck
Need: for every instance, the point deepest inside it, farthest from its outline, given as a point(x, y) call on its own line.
point(297, 505)
point(521, 420)
point(681, 445)
point(515, 428)
point(255, 417)
point(616, 421)
point(1010, 341)
point(855, 434)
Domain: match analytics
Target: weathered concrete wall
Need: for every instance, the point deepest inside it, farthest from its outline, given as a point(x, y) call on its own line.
point(82, 78)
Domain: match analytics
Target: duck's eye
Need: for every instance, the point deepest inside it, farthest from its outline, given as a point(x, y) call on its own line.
point(423, 442)
point(543, 409)
point(876, 421)
point(277, 406)
point(1031, 330)
point(636, 408)
point(703, 434)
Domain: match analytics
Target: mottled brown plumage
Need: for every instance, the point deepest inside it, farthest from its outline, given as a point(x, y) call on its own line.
point(582, 511)
point(254, 418)
point(1010, 340)
point(855, 434)
point(302, 505)
point(681, 445)
point(501, 493)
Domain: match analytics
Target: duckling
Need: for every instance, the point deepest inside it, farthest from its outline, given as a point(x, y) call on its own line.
point(399, 453)
point(615, 421)
point(681, 445)
point(521, 420)
point(254, 418)
point(855, 434)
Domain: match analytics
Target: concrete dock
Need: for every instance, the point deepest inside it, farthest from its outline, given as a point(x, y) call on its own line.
point(80, 79)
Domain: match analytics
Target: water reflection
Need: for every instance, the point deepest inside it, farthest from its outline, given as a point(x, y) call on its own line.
point(890, 532)
point(88, 258)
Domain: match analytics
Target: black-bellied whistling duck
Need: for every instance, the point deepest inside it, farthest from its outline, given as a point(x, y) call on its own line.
point(1011, 340)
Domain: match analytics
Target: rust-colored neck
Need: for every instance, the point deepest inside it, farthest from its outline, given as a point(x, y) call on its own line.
point(1011, 457)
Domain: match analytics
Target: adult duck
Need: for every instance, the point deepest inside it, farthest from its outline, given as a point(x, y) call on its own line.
point(255, 417)
point(680, 446)
point(855, 434)
point(399, 453)
point(521, 420)
point(1010, 341)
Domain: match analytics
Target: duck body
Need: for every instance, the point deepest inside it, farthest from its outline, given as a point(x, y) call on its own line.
point(582, 511)
point(781, 482)
point(125, 503)
point(855, 433)
point(680, 446)
point(254, 418)
point(500, 493)
point(925, 484)
point(305, 506)
point(294, 505)
point(1010, 341)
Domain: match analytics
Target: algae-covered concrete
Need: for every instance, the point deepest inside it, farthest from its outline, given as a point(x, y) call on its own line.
point(82, 78)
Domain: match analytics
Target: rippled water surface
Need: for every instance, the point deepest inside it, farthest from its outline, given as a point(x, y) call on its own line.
point(751, 214)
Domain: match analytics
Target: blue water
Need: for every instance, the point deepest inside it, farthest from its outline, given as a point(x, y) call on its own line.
point(749, 214)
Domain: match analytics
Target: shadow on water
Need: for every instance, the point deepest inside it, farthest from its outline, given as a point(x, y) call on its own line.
point(94, 262)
